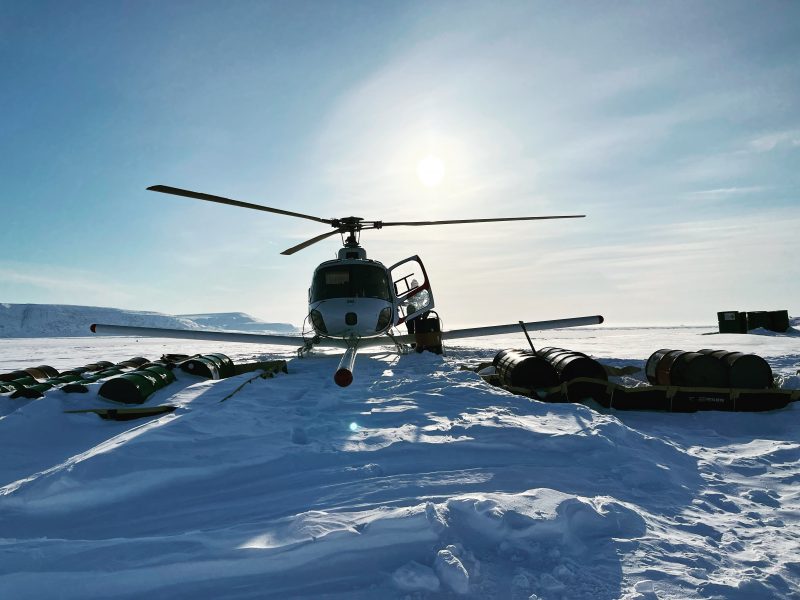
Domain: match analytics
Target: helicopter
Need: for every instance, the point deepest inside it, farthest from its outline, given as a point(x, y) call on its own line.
point(354, 302)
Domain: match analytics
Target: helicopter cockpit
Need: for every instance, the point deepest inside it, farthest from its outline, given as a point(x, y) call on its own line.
point(356, 297)
point(350, 281)
point(351, 298)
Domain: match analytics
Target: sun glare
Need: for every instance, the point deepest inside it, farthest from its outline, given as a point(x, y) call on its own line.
point(430, 171)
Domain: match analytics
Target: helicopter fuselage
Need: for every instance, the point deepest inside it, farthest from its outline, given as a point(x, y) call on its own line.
point(351, 298)
point(354, 297)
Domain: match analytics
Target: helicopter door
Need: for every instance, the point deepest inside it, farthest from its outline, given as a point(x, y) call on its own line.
point(412, 289)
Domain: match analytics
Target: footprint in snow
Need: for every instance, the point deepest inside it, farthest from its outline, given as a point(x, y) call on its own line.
point(451, 570)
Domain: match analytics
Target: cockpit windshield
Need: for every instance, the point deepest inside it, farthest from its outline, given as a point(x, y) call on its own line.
point(350, 281)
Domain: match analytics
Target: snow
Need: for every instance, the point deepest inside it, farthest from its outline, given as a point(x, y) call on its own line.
point(55, 320)
point(417, 481)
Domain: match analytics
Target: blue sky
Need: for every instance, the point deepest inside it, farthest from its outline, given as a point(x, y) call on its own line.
point(675, 126)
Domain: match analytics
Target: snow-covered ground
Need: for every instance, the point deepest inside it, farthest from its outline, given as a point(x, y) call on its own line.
point(417, 481)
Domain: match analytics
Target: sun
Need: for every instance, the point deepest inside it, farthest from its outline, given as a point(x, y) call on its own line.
point(430, 171)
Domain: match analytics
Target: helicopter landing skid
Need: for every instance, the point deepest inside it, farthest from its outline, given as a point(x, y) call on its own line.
point(307, 347)
point(399, 346)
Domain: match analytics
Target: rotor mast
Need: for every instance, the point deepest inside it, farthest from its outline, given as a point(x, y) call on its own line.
point(351, 226)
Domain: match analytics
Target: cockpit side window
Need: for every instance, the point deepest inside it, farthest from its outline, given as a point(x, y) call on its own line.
point(373, 283)
point(350, 281)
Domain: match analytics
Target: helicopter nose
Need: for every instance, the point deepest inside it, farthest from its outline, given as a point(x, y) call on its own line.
point(351, 318)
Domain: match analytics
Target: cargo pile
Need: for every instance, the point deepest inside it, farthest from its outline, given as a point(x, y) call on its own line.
point(734, 321)
point(680, 381)
point(131, 381)
point(33, 382)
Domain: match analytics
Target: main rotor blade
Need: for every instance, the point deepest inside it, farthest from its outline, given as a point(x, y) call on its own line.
point(165, 189)
point(307, 243)
point(379, 224)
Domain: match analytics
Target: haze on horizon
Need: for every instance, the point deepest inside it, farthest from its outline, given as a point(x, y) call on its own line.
point(675, 127)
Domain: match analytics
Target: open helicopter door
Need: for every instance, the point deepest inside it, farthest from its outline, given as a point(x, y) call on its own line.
point(412, 289)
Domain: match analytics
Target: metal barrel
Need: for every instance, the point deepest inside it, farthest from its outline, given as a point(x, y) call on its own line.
point(101, 375)
point(78, 371)
point(41, 373)
point(16, 385)
point(571, 364)
point(507, 351)
point(24, 380)
point(14, 375)
point(575, 365)
point(136, 386)
point(98, 366)
point(37, 374)
point(211, 366)
point(523, 368)
point(131, 388)
point(745, 371)
point(32, 391)
point(681, 368)
point(131, 363)
point(174, 358)
point(548, 350)
point(69, 378)
point(162, 372)
point(77, 387)
point(201, 366)
point(50, 371)
point(226, 367)
point(655, 370)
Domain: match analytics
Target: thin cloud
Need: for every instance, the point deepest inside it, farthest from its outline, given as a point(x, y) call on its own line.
point(781, 139)
point(723, 193)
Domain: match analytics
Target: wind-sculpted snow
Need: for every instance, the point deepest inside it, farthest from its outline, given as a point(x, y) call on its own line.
point(417, 481)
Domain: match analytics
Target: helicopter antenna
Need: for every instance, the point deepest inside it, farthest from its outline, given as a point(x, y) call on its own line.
point(352, 226)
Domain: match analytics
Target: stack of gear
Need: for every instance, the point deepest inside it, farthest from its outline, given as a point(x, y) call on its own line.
point(681, 381)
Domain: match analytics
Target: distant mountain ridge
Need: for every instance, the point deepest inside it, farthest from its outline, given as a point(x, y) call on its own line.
point(65, 320)
point(237, 321)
